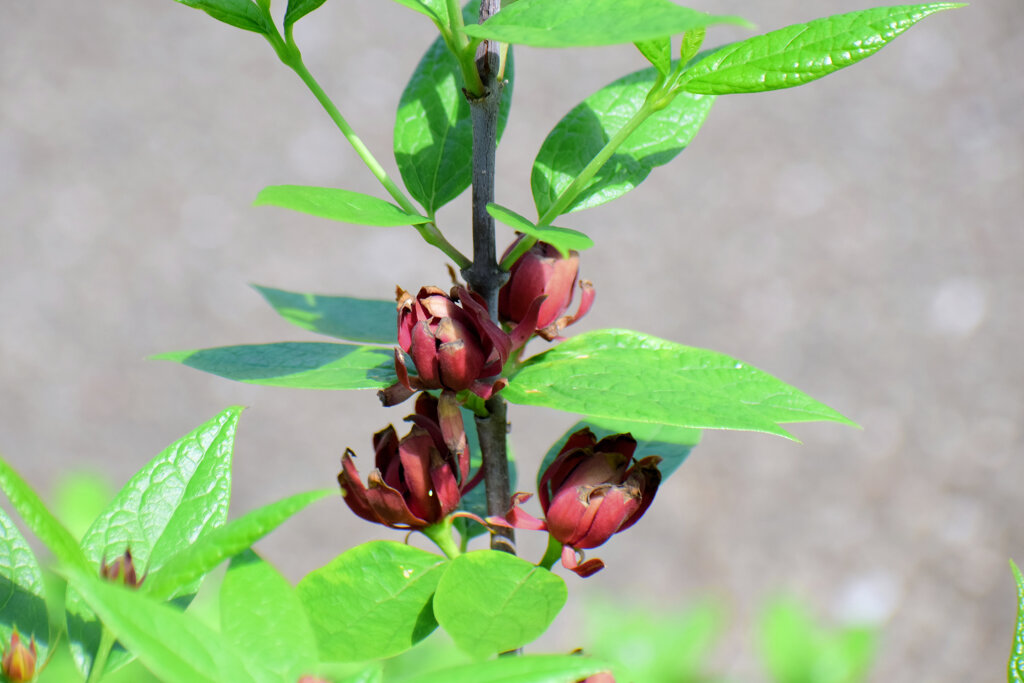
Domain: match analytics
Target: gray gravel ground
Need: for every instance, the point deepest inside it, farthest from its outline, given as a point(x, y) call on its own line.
point(859, 237)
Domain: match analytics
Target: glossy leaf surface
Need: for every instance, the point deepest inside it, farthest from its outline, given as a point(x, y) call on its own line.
point(300, 365)
point(1015, 668)
point(627, 375)
point(224, 542)
point(585, 130)
point(337, 205)
point(241, 14)
point(671, 444)
point(658, 52)
point(370, 321)
point(802, 53)
point(178, 497)
point(579, 23)
point(490, 601)
point(522, 669)
point(562, 239)
point(22, 591)
point(372, 601)
point(177, 647)
point(260, 614)
point(433, 137)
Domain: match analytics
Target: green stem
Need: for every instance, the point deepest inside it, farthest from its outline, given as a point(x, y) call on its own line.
point(579, 183)
point(99, 662)
point(552, 554)
point(431, 234)
point(441, 535)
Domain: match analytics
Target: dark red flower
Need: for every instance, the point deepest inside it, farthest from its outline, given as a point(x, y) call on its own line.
point(544, 272)
point(590, 491)
point(418, 480)
point(19, 662)
point(453, 344)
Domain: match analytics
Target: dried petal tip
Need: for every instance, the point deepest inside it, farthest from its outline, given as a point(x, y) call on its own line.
point(122, 570)
point(19, 662)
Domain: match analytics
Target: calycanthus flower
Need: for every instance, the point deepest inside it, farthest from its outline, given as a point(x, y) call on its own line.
point(122, 570)
point(590, 491)
point(544, 272)
point(453, 344)
point(418, 480)
point(19, 662)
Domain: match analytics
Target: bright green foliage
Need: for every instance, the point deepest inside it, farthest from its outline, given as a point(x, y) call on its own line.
point(802, 53)
point(361, 320)
point(79, 498)
point(585, 130)
point(796, 650)
point(337, 205)
point(23, 601)
point(433, 131)
point(195, 561)
point(177, 498)
point(300, 365)
point(175, 646)
point(372, 601)
point(562, 239)
point(579, 23)
point(672, 444)
point(658, 52)
point(489, 601)
point(523, 669)
point(1015, 668)
point(298, 9)
point(437, 10)
point(38, 518)
point(632, 376)
point(243, 14)
point(260, 614)
point(656, 646)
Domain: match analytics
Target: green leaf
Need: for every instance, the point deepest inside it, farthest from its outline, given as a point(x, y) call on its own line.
point(627, 375)
point(38, 518)
point(585, 130)
point(261, 614)
point(193, 562)
point(658, 52)
point(300, 365)
point(298, 9)
point(522, 669)
point(242, 14)
point(437, 10)
point(489, 601)
point(178, 497)
point(177, 647)
point(22, 591)
point(692, 40)
point(343, 317)
point(433, 132)
point(672, 444)
point(337, 205)
point(1015, 667)
point(372, 601)
point(562, 239)
point(802, 53)
point(579, 23)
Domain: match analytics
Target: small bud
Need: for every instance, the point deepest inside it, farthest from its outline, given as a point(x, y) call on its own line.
point(121, 570)
point(19, 662)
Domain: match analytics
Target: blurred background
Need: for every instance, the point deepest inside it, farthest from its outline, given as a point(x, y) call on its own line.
point(859, 237)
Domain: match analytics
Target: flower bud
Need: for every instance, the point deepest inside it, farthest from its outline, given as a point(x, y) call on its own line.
point(19, 662)
point(590, 491)
point(121, 570)
point(452, 342)
point(418, 480)
point(544, 272)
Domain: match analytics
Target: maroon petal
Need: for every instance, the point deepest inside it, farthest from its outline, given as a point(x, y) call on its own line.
point(424, 356)
point(385, 447)
point(519, 519)
point(607, 511)
point(416, 451)
point(646, 476)
point(571, 562)
point(453, 430)
point(474, 305)
point(552, 331)
point(352, 489)
point(446, 488)
point(569, 515)
point(528, 325)
point(459, 364)
point(389, 505)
